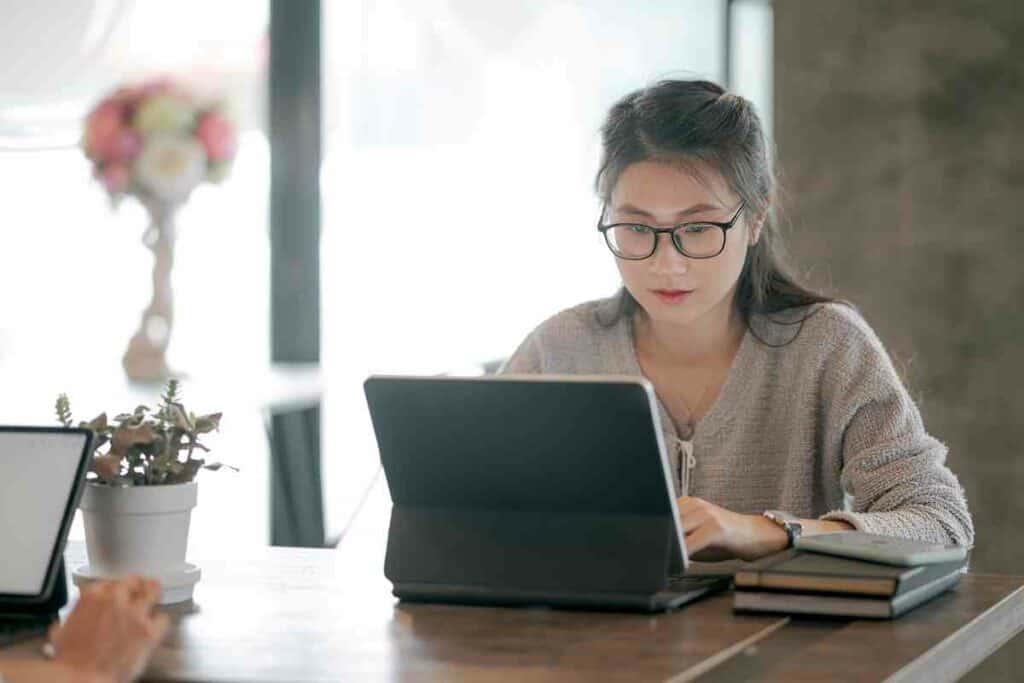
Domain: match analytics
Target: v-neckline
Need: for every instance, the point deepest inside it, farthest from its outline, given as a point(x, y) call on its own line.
point(718, 414)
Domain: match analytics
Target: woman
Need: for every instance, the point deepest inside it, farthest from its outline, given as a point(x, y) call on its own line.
point(108, 637)
point(771, 396)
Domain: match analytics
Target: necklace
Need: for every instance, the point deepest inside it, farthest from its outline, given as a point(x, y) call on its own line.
point(687, 429)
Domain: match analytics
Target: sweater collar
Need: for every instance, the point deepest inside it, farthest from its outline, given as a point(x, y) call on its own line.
point(723, 410)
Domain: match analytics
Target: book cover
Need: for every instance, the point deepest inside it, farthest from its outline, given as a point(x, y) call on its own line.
point(800, 570)
point(836, 605)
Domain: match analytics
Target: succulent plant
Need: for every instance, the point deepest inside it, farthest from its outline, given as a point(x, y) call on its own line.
point(144, 447)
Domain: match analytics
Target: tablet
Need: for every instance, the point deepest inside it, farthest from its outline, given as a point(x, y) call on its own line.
point(538, 489)
point(877, 548)
point(42, 472)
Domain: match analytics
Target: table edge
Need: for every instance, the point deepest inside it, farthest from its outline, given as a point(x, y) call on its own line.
point(1007, 615)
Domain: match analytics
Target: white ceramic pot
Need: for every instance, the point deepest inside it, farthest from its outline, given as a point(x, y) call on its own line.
point(139, 530)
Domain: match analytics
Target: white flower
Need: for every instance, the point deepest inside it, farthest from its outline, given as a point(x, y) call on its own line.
point(164, 113)
point(169, 167)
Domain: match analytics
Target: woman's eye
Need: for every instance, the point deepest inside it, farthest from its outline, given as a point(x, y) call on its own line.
point(698, 228)
point(638, 229)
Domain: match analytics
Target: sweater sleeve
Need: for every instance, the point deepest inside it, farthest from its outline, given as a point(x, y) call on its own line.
point(893, 469)
point(525, 360)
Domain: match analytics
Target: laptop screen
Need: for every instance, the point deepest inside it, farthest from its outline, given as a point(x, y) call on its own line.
point(38, 475)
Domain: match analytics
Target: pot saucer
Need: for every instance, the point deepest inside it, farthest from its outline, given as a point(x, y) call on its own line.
point(177, 585)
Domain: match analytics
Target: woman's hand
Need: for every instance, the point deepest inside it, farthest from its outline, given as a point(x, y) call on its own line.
point(714, 533)
point(112, 631)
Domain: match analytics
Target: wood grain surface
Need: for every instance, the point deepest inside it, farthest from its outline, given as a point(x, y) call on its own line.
point(286, 614)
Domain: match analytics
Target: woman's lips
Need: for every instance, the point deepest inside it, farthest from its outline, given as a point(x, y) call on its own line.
point(672, 296)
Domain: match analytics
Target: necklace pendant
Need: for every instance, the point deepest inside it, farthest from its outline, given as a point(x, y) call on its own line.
point(686, 431)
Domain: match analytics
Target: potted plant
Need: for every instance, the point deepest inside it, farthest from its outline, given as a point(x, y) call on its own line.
point(141, 490)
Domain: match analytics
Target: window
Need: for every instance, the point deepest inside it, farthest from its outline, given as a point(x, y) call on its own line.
point(461, 143)
point(75, 275)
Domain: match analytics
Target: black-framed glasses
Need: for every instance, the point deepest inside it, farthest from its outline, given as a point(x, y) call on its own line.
point(636, 241)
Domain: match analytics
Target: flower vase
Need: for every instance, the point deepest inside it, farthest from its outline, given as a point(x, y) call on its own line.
point(146, 356)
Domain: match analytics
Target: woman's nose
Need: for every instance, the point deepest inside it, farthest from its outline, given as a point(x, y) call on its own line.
point(667, 257)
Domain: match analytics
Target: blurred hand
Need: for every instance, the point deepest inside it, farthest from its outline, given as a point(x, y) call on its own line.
point(112, 631)
point(714, 533)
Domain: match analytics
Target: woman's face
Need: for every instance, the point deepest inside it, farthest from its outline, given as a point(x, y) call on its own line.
point(664, 195)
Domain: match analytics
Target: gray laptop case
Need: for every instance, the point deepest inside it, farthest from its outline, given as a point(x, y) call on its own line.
point(529, 490)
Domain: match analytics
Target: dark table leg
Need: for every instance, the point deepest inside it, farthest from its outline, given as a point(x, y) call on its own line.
point(296, 489)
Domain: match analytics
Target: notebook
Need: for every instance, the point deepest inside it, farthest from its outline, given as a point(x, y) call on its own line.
point(843, 605)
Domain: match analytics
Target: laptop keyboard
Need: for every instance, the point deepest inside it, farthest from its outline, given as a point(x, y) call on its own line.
point(684, 584)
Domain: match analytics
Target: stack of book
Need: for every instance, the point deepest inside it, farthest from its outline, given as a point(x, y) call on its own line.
point(802, 582)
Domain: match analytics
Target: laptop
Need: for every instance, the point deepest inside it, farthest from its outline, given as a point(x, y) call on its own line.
point(42, 473)
point(530, 490)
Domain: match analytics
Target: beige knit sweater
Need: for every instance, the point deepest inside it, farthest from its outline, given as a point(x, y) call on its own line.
point(822, 427)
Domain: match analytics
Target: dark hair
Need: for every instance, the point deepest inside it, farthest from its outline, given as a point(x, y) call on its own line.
point(697, 123)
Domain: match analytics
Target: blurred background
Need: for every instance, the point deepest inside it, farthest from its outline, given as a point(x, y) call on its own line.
point(394, 158)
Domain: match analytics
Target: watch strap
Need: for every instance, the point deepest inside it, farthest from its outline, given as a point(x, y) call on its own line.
point(789, 523)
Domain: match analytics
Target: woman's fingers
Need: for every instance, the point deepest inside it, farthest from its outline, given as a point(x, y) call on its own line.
point(113, 630)
point(688, 504)
point(152, 590)
point(699, 540)
point(147, 593)
point(154, 631)
point(705, 545)
point(692, 512)
point(132, 587)
point(692, 520)
point(705, 534)
point(159, 626)
point(120, 593)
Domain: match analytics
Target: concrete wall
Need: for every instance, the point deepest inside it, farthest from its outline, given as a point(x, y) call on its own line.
point(900, 135)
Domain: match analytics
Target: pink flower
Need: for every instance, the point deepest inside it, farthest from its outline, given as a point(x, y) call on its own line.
point(217, 136)
point(158, 86)
point(115, 178)
point(102, 129)
point(126, 94)
point(131, 97)
point(124, 146)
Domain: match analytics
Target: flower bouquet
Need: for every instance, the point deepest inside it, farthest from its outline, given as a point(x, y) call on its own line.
point(154, 141)
point(157, 143)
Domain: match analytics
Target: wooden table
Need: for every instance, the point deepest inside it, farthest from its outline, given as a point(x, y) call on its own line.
point(290, 614)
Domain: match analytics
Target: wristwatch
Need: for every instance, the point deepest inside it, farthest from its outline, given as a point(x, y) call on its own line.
point(788, 522)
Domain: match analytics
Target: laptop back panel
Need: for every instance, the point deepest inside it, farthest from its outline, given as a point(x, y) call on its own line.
point(523, 485)
point(554, 552)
